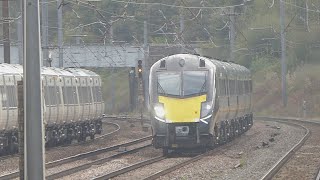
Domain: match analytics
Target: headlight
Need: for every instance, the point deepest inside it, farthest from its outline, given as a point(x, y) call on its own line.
point(206, 108)
point(159, 110)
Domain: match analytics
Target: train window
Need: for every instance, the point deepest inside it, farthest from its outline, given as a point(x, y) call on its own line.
point(169, 83)
point(240, 87)
point(231, 87)
point(246, 87)
point(97, 94)
point(11, 96)
point(84, 95)
point(4, 97)
point(221, 87)
point(52, 95)
point(194, 82)
point(89, 94)
point(74, 94)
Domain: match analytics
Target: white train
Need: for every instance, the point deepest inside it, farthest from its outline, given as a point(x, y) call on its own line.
point(72, 105)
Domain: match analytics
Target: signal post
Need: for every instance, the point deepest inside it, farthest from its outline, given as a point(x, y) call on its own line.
point(140, 89)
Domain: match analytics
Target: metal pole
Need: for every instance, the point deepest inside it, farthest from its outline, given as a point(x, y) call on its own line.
point(145, 63)
point(6, 31)
point(60, 32)
point(145, 44)
point(132, 75)
point(112, 71)
point(283, 54)
point(307, 16)
point(232, 34)
point(20, 32)
point(34, 141)
point(44, 28)
point(21, 129)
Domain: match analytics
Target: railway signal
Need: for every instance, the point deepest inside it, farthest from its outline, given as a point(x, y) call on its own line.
point(140, 68)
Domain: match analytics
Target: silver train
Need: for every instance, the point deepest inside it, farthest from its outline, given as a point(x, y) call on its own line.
point(72, 110)
point(198, 102)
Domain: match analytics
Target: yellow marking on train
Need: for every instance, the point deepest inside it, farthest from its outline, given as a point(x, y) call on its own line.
point(182, 110)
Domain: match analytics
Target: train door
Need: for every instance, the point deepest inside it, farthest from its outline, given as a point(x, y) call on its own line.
point(227, 96)
point(46, 100)
point(95, 98)
point(4, 111)
point(75, 84)
point(90, 98)
point(11, 98)
point(82, 99)
point(61, 106)
point(100, 103)
point(53, 96)
point(71, 100)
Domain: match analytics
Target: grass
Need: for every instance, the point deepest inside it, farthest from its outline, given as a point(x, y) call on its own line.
point(115, 89)
point(303, 84)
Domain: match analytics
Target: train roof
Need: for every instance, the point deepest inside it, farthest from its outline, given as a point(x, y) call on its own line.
point(16, 69)
point(221, 66)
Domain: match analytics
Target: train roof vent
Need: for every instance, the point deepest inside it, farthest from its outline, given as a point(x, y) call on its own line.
point(163, 64)
point(202, 63)
point(196, 54)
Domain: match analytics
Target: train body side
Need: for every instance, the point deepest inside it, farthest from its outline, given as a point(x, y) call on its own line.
point(72, 104)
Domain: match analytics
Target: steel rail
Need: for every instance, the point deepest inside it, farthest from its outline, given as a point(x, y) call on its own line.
point(96, 162)
point(80, 156)
point(130, 168)
point(282, 161)
point(318, 176)
point(74, 144)
point(177, 166)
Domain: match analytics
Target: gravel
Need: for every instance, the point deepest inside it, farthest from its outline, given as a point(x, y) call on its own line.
point(247, 152)
point(116, 164)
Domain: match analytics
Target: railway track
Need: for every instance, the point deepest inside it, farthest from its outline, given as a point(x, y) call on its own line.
point(117, 128)
point(276, 172)
point(81, 156)
point(174, 164)
point(303, 160)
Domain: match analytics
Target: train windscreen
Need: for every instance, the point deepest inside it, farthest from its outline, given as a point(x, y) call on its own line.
point(192, 83)
point(169, 83)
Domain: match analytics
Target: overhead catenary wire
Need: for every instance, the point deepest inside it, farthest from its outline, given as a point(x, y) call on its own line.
point(179, 6)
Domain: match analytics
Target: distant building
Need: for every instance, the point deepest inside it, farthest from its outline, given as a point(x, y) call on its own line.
point(90, 55)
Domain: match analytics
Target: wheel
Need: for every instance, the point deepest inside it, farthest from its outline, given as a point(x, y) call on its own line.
point(165, 152)
point(92, 136)
point(222, 134)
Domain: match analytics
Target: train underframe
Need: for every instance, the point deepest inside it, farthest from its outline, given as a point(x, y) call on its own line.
point(198, 135)
point(55, 135)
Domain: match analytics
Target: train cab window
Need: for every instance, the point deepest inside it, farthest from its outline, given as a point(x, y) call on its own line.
point(169, 83)
point(194, 82)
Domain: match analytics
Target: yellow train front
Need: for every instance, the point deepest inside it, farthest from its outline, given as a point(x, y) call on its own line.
point(188, 106)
